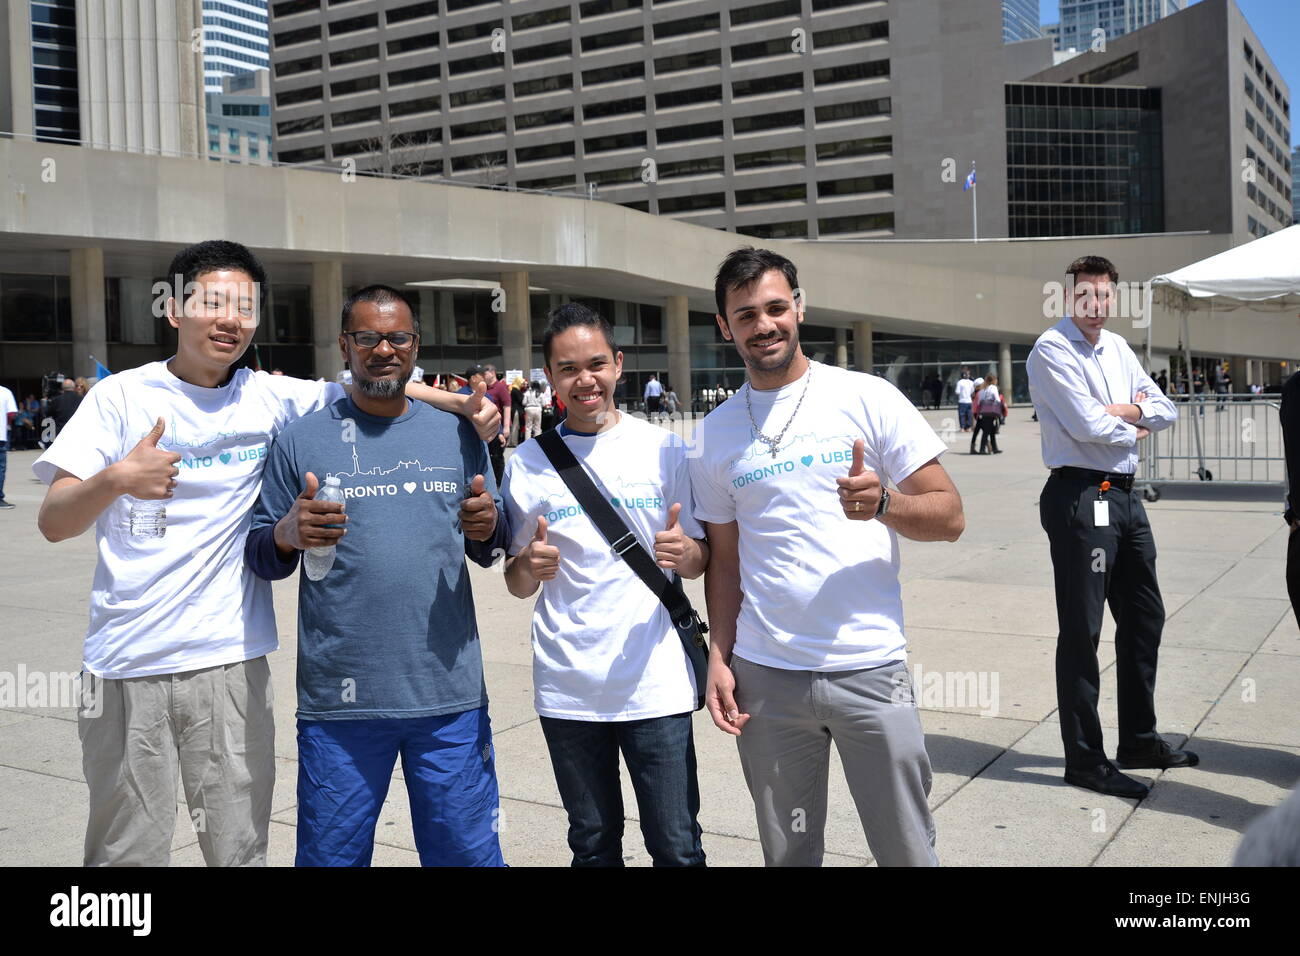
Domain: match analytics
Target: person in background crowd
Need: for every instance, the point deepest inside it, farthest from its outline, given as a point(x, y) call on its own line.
point(965, 389)
point(64, 405)
point(991, 412)
point(517, 388)
point(532, 403)
point(8, 411)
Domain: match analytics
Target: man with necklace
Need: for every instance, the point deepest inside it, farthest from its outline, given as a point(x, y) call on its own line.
point(802, 585)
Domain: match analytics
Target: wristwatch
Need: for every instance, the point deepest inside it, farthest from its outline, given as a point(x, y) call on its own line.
point(883, 507)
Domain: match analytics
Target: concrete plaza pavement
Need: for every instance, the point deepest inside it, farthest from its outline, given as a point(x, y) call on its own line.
point(981, 626)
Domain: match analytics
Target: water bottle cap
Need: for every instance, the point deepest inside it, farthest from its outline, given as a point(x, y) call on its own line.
point(332, 481)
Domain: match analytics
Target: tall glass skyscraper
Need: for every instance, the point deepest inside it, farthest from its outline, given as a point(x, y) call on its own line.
point(1079, 18)
point(1020, 20)
point(235, 40)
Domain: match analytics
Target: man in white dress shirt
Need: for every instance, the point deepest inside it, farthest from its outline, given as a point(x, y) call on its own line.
point(1095, 403)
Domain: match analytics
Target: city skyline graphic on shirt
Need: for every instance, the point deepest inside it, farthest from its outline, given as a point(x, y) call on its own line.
point(413, 464)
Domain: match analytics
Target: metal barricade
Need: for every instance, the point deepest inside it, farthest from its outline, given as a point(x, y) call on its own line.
point(1224, 439)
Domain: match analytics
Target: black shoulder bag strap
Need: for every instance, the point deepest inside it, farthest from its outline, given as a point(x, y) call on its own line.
point(690, 628)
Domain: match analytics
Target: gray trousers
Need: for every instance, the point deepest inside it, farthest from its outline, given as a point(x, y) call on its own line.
point(785, 753)
point(215, 727)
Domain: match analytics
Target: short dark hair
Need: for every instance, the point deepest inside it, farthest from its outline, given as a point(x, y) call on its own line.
point(566, 317)
point(745, 266)
point(380, 295)
point(1092, 266)
point(215, 255)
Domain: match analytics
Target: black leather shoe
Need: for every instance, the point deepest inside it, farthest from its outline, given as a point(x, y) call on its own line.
point(1159, 757)
point(1104, 778)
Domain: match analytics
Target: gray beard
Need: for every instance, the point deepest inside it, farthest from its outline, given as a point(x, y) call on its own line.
point(381, 388)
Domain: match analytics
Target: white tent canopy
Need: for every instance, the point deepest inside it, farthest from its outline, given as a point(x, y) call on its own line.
point(1265, 270)
point(1264, 274)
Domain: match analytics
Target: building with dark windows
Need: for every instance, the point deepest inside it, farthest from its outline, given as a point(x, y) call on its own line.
point(1083, 160)
point(235, 40)
point(1295, 185)
point(239, 119)
point(1224, 117)
point(1020, 21)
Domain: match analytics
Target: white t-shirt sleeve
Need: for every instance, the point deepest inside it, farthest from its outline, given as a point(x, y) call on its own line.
point(906, 440)
point(93, 438)
point(300, 396)
point(681, 493)
point(513, 482)
point(713, 501)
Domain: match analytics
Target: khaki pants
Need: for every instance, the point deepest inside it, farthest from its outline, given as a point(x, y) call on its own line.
point(216, 727)
point(871, 717)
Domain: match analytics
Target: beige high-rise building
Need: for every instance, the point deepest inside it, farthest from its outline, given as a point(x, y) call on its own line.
point(126, 74)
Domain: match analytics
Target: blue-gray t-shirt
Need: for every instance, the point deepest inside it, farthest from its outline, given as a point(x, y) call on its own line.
point(390, 631)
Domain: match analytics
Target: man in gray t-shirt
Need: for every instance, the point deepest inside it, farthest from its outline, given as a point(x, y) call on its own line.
point(388, 653)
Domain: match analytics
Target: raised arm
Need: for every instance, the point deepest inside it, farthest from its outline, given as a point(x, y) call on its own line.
point(484, 415)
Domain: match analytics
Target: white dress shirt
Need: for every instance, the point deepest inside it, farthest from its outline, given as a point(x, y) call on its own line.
point(1071, 383)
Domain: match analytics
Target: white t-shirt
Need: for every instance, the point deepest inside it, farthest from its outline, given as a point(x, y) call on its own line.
point(7, 405)
point(821, 591)
point(604, 647)
point(186, 600)
point(964, 388)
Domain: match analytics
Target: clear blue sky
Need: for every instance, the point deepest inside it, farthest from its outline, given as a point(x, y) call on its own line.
point(1275, 22)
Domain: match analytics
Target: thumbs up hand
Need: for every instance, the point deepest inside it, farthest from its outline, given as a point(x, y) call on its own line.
point(478, 512)
point(310, 523)
point(484, 414)
point(860, 491)
point(147, 472)
point(670, 544)
point(541, 559)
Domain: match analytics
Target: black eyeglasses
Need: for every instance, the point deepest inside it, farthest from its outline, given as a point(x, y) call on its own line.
point(370, 340)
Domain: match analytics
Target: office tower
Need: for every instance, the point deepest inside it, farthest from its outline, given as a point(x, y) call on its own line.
point(1020, 20)
point(235, 40)
point(239, 119)
point(1080, 18)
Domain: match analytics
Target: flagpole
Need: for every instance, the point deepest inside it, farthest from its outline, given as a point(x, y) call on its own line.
point(974, 208)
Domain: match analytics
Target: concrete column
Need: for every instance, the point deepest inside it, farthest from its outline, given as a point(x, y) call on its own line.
point(16, 107)
point(326, 308)
point(863, 356)
point(842, 348)
point(677, 332)
point(1004, 371)
point(1240, 377)
point(516, 334)
point(89, 326)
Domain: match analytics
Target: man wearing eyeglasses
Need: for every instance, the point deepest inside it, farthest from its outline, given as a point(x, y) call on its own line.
point(388, 654)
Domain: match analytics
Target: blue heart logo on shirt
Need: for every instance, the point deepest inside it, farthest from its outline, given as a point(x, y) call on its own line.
point(225, 457)
point(807, 460)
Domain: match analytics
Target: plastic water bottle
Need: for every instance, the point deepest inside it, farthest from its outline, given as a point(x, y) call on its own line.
point(148, 519)
point(316, 562)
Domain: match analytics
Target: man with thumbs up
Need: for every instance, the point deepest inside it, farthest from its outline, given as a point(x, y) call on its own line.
point(389, 662)
point(179, 629)
point(807, 646)
point(609, 670)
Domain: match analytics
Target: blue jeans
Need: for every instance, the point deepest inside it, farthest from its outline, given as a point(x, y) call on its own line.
point(345, 766)
point(963, 415)
point(660, 755)
point(4, 464)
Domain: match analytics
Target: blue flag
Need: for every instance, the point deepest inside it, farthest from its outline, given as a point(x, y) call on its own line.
point(970, 181)
point(101, 370)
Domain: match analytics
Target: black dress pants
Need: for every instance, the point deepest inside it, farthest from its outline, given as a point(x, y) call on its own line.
point(1092, 567)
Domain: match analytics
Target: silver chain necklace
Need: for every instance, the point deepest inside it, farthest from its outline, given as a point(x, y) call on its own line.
point(774, 443)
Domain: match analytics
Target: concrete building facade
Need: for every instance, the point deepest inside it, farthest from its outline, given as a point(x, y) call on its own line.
point(1225, 116)
point(81, 260)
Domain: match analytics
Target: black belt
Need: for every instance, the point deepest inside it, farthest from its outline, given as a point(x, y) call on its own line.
point(1117, 480)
